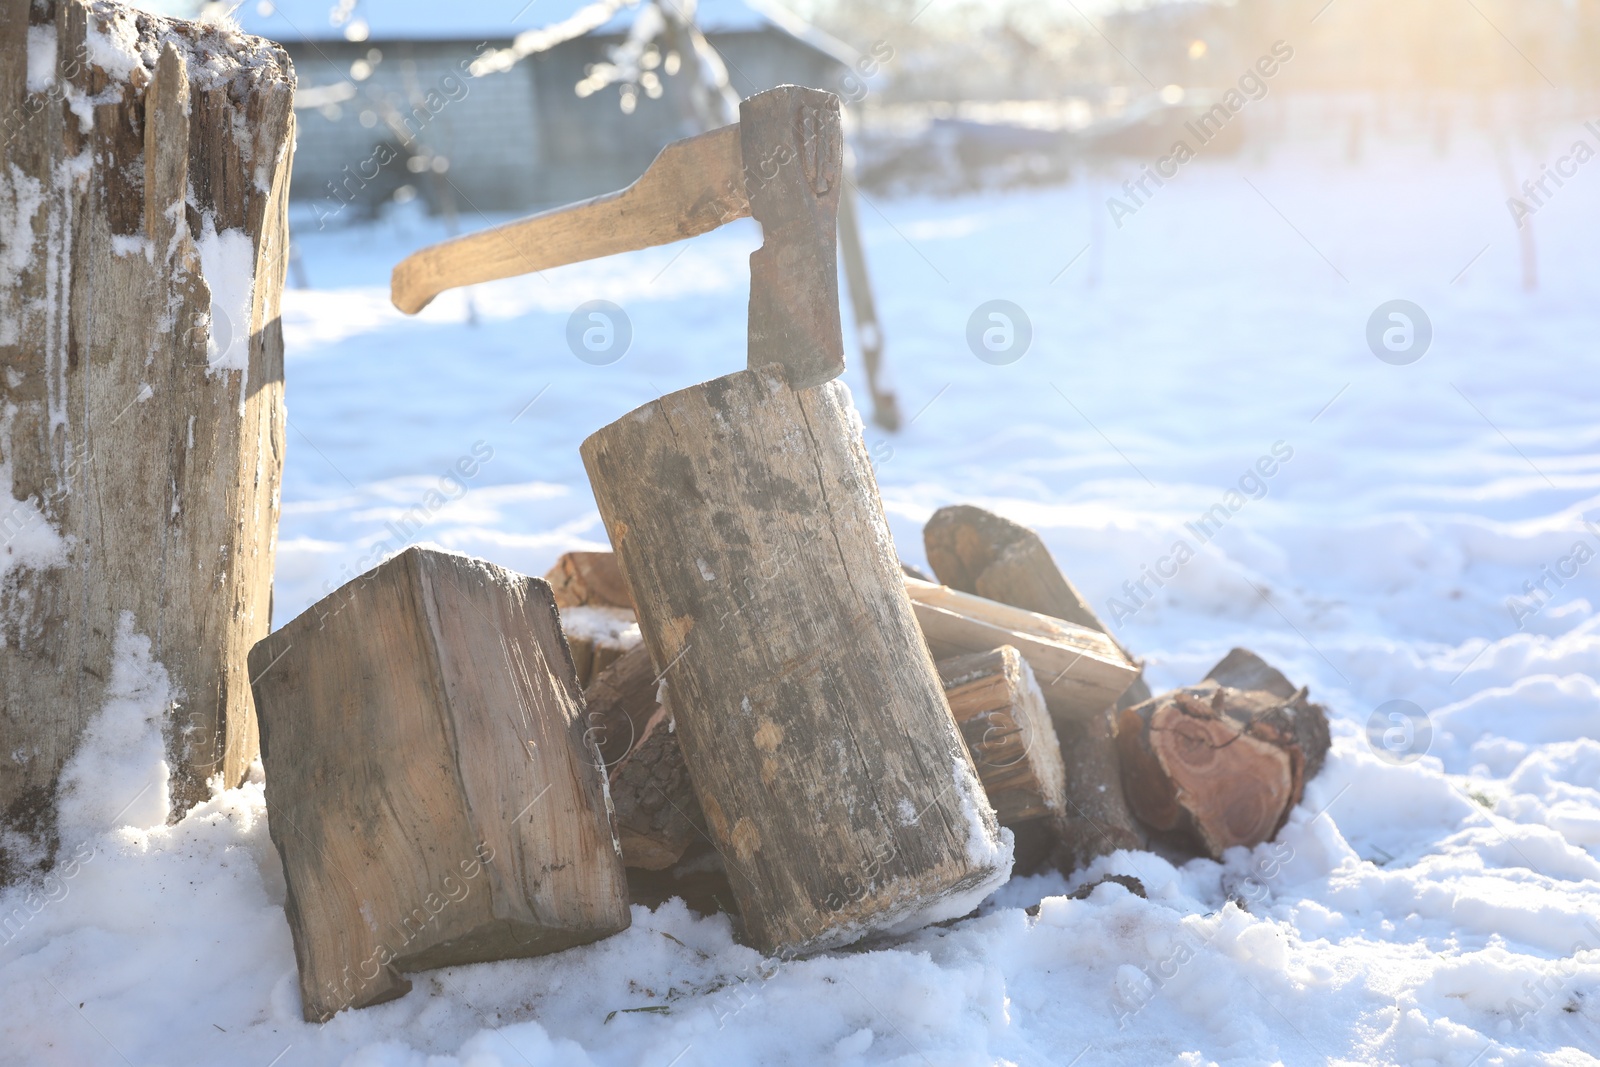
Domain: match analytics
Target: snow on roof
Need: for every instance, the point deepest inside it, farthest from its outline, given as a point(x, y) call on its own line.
point(479, 20)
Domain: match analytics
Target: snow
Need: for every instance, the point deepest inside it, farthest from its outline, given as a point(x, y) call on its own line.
point(1440, 909)
point(120, 769)
point(27, 538)
point(228, 263)
point(41, 58)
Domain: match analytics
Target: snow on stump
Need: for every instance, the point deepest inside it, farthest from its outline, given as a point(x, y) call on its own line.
point(430, 785)
point(143, 185)
point(815, 730)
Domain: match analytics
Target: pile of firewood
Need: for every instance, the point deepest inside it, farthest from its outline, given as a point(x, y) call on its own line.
point(466, 764)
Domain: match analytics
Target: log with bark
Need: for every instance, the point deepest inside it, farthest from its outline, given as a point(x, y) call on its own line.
point(1216, 766)
point(773, 605)
point(981, 553)
point(430, 786)
point(997, 706)
point(142, 213)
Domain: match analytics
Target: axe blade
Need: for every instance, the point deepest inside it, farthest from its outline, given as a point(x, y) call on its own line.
point(793, 152)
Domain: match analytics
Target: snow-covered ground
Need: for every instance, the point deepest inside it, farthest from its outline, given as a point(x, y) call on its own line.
point(1442, 909)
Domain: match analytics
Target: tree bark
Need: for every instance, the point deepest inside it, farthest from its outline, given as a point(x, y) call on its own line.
point(813, 724)
point(1216, 766)
point(430, 785)
point(141, 409)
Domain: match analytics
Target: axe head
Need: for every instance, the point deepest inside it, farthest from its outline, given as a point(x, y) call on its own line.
point(782, 163)
point(793, 154)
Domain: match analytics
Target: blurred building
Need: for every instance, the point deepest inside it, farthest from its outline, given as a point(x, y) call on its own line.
point(388, 109)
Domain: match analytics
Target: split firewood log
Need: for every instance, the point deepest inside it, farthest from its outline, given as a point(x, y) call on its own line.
point(1079, 669)
point(1217, 766)
point(997, 706)
point(1082, 673)
point(658, 817)
point(430, 788)
point(620, 702)
point(979, 552)
point(589, 579)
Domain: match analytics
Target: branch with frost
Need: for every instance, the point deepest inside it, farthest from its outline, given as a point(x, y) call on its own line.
point(586, 19)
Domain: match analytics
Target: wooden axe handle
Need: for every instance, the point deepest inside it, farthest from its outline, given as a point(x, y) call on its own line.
point(694, 185)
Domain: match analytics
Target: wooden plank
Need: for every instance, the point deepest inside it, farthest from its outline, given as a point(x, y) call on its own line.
point(773, 605)
point(430, 785)
point(142, 434)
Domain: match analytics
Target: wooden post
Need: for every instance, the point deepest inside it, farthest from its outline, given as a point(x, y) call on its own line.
point(816, 732)
point(141, 409)
point(981, 553)
point(430, 786)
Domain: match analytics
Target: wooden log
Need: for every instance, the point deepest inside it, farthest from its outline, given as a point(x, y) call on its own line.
point(587, 579)
point(979, 552)
point(1080, 670)
point(658, 817)
point(621, 702)
point(142, 213)
point(993, 697)
point(1003, 719)
point(430, 787)
point(811, 718)
point(1215, 766)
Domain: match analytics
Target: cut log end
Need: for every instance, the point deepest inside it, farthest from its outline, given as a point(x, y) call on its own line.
point(1219, 766)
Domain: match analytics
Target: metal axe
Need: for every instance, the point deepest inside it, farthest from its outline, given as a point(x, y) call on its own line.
point(781, 163)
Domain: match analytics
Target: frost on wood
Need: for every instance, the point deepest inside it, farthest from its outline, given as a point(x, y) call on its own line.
point(142, 193)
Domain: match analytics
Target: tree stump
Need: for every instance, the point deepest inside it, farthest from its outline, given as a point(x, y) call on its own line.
point(430, 786)
point(142, 200)
point(748, 526)
point(1216, 766)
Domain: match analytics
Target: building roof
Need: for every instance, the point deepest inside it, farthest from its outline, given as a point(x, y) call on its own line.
point(476, 20)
